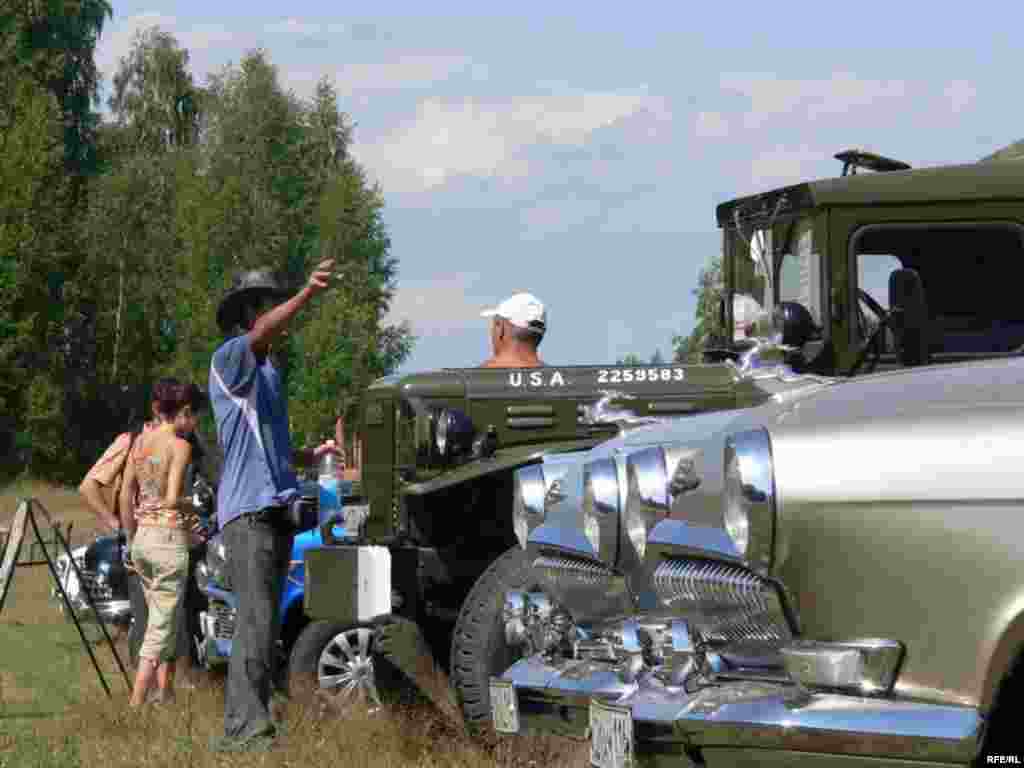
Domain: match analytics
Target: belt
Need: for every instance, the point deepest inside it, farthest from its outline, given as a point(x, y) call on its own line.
point(164, 526)
point(274, 516)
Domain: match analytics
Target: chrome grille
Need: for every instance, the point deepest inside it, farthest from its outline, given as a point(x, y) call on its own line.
point(99, 593)
point(723, 603)
point(223, 620)
point(573, 570)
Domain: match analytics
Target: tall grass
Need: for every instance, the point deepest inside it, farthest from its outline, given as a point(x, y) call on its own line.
point(54, 713)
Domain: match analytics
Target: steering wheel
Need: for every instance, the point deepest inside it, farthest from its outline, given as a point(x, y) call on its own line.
point(862, 321)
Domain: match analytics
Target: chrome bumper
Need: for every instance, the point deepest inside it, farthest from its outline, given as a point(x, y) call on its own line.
point(117, 612)
point(217, 626)
point(742, 715)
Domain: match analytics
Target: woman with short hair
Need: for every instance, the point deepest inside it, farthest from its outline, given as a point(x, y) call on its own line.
point(159, 516)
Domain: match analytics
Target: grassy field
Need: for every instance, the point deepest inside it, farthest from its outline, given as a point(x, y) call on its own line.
point(54, 713)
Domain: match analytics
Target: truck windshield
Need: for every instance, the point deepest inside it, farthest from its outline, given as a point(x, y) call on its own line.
point(771, 265)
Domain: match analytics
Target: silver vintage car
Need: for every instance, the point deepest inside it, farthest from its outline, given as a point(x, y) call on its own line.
point(835, 577)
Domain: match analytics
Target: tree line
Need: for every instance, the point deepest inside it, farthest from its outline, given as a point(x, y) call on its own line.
point(119, 233)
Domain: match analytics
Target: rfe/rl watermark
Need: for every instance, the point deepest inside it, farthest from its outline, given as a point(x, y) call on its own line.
point(1003, 759)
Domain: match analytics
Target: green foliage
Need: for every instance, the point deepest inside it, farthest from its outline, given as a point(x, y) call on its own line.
point(689, 349)
point(54, 42)
point(102, 293)
point(31, 207)
point(634, 359)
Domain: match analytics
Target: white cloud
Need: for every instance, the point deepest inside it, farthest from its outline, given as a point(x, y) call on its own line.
point(437, 306)
point(116, 40)
point(711, 125)
point(559, 217)
point(812, 100)
point(781, 165)
point(300, 28)
point(960, 95)
point(407, 72)
point(447, 139)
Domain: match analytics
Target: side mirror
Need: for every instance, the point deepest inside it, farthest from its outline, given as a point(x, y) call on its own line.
point(795, 323)
point(909, 313)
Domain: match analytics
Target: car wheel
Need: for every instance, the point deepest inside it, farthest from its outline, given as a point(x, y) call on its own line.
point(479, 650)
point(336, 660)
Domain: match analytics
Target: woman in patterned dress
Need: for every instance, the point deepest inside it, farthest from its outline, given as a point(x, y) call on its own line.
point(159, 516)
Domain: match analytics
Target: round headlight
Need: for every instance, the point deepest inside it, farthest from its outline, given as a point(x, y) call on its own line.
point(601, 506)
point(748, 498)
point(202, 577)
point(648, 496)
point(735, 516)
point(441, 434)
point(217, 563)
point(528, 507)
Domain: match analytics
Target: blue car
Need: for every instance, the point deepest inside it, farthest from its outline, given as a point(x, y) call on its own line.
point(216, 624)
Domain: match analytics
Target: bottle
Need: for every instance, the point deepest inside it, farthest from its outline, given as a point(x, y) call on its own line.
point(330, 501)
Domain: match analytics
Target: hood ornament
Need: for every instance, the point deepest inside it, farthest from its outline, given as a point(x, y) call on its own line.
point(602, 412)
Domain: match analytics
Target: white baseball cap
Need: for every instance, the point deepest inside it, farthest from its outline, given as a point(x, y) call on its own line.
point(523, 310)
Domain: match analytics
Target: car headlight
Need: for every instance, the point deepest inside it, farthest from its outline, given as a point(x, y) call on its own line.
point(453, 434)
point(748, 496)
point(202, 577)
point(601, 507)
point(217, 563)
point(528, 507)
point(654, 478)
point(441, 435)
point(647, 498)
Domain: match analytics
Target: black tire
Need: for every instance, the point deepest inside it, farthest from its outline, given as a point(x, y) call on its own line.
point(313, 641)
point(478, 642)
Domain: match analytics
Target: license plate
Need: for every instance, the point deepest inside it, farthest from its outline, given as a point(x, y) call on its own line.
point(611, 735)
point(504, 707)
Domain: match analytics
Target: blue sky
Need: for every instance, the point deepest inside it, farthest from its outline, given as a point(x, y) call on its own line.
point(579, 154)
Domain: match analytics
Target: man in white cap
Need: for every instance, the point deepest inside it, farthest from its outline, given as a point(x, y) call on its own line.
point(517, 327)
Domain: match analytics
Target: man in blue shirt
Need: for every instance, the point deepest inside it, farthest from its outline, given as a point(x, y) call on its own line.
point(257, 483)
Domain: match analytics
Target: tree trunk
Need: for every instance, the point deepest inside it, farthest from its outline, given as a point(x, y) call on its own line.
point(120, 309)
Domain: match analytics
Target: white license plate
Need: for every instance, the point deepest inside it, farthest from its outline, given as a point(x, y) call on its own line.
point(504, 707)
point(611, 735)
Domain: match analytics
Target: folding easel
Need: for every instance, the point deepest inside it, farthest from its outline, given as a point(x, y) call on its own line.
point(26, 515)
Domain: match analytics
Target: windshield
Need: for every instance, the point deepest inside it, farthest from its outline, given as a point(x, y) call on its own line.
point(771, 264)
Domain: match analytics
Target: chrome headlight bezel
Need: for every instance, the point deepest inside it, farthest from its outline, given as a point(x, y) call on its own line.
point(601, 507)
point(749, 497)
point(528, 508)
point(444, 418)
point(216, 561)
point(647, 495)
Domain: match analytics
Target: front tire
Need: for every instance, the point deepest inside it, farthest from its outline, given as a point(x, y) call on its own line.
point(479, 650)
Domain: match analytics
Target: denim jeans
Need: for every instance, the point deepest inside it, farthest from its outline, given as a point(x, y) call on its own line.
point(257, 561)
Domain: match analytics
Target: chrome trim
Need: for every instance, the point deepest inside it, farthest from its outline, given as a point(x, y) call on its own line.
point(504, 706)
point(647, 498)
point(601, 508)
point(528, 507)
point(586, 588)
point(111, 611)
point(752, 715)
point(750, 454)
point(677, 538)
point(866, 666)
point(723, 603)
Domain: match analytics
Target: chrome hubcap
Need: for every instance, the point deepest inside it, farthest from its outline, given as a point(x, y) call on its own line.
point(345, 667)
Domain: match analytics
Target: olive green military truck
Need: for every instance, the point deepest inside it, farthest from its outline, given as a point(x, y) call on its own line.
point(876, 269)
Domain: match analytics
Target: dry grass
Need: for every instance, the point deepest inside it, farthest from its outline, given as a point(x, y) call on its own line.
point(54, 714)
